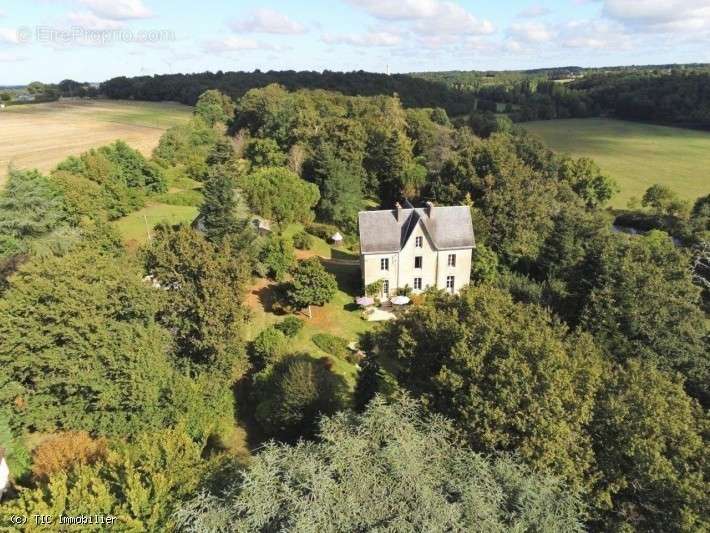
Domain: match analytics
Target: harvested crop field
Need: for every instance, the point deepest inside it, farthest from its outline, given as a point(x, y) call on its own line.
point(41, 135)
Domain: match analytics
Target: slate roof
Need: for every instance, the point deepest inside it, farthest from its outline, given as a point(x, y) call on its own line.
point(448, 228)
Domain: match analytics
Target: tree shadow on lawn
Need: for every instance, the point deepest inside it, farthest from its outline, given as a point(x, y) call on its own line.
point(339, 253)
point(347, 276)
point(265, 294)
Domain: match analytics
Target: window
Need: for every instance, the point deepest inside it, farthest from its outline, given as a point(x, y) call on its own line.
point(418, 242)
point(452, 260)
point(417, 284)
point(450, 283)
point(386, 288)
point(384, 264)
point(418, 262)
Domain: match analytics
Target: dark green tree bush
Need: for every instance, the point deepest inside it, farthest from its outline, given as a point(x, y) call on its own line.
point(387, 469)
point(290, 396)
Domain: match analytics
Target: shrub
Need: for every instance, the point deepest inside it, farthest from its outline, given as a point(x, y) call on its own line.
point(311, 285)
point(374, 289)
point(141, 482)
point(404, 291)
point(276, 258)
point(268, 347)
point(302, 240)
point(64, 451)
point(18, 459)
point(331, 344)
point(324, 231)
point(290, 326)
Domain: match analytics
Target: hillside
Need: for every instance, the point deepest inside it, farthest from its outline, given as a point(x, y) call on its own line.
point(636, 155)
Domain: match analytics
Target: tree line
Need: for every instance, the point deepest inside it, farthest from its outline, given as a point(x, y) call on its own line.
point(186, 88)
point(662, 94)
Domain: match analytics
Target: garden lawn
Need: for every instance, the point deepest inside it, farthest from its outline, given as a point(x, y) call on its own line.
point(134, 227)
point(341, 317)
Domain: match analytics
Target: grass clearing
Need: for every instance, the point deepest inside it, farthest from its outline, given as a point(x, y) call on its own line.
point(636, 155)
point(135, 226)
point(41, 135)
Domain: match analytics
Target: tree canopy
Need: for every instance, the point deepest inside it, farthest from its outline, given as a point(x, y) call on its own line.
point(203, 283)
point(214, 107)
point(652, 451)
point(81, 349)
point(389, 469)
point(311, 285)
point(507, 374)
point(280, 195)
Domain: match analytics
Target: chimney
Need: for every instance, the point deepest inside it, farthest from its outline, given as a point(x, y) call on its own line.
point(429, 209)
point(398, 207)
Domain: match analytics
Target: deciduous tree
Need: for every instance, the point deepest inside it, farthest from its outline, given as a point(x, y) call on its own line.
point(650, 449)
point(204, 284)
point(290, 396)
point(280, 195)
point(311, 285)
point(507, 374)
point(80, 348)
point(214, 107)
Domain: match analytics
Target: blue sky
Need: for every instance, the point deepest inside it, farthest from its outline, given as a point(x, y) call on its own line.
point(93, 40)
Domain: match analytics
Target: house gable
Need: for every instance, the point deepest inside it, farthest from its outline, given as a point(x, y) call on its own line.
point(419, 230)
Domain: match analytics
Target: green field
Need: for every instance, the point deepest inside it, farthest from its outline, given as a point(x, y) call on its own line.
point(636, 155)
point(127, 112)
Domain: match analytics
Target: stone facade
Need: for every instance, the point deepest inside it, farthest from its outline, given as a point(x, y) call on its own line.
point(419, 262)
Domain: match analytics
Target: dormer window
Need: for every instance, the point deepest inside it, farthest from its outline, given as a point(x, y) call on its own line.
point(418, 242)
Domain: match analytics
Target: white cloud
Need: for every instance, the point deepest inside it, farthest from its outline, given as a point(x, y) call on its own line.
point(398, 9)
point(436, 41)
point(90, 21)
point(236, 44)
point(118, 9)
point(533, 11)
point(530, 32)
point(9, 36)
point(428, 16)
point(594, 34)
point(660, 16)
point(451, 18)
point(268, 21)
point(373, 38)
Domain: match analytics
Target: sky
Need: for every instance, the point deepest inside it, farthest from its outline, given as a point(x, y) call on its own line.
point(94, 40)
